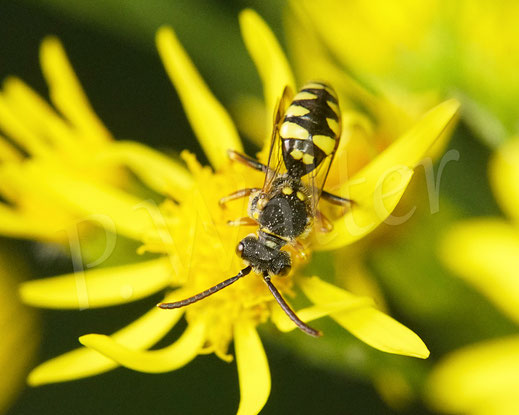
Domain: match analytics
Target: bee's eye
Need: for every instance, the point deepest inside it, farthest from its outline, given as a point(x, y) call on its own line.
point(239, 249)
point(284, 270)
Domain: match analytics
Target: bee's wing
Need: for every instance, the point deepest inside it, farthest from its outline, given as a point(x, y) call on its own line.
point(275, 163)
point(316, 179)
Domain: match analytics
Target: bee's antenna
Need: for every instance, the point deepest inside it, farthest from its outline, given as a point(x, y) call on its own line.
point(206, 293)
point(290, 313)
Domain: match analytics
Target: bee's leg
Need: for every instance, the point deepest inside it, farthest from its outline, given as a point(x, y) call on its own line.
point(245, 221)
point(338, 201)
point(248, 161)
point(325, 225)
point(299, 250)
point(237, 195)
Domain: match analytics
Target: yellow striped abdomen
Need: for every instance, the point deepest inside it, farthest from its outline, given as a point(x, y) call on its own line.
point(310, 130)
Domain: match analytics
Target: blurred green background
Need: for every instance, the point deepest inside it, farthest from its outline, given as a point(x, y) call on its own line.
point(111, 46)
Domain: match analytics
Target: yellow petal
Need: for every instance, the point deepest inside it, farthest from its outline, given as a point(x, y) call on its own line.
point(312, 61)
point(129, 216)
point(485, 253)
point(8, 152)
point(172, 357)
point(253, 369)
point(477, 376)
point(66, 92)
point(99, 287)
point(378, 187)
point(141, 334)
point(209, 119)
point(251, 117)
point(504, 175)
point(37, 115)
point(17, 131)
point(501, 405)
point(161, 173)
point(359, 280)
point(410, 149)
point(283, 323)
point(372, 207)
point(269, 59)
point(370, 37)
point(15, 224)
point(32, 212)
point(323, 293)
point(367, 323)
point(382, 332)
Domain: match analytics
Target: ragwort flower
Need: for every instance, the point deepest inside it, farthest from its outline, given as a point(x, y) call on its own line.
point(37, 135)
point(464, 47)
point(483, 378)
point(69, 143)
point(196, 245)
point(372, 120)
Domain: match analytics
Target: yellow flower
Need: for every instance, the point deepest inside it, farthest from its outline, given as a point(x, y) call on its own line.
point(36, 130)
point(70, 142)
point(483, 378)
point(196, 246)
point(464, 47)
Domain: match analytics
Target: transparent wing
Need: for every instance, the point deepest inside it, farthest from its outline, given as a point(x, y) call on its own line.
point(275, 163)
point(316, 179)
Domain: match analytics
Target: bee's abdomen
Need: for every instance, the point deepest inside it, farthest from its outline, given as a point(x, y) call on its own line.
point(311, 128)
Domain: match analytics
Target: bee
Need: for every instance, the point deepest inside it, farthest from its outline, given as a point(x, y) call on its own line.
point(305, 136)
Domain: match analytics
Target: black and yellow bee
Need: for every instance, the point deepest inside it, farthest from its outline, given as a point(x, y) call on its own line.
point(304, 140)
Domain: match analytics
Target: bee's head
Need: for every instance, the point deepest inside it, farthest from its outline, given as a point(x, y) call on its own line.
point(264, 256)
